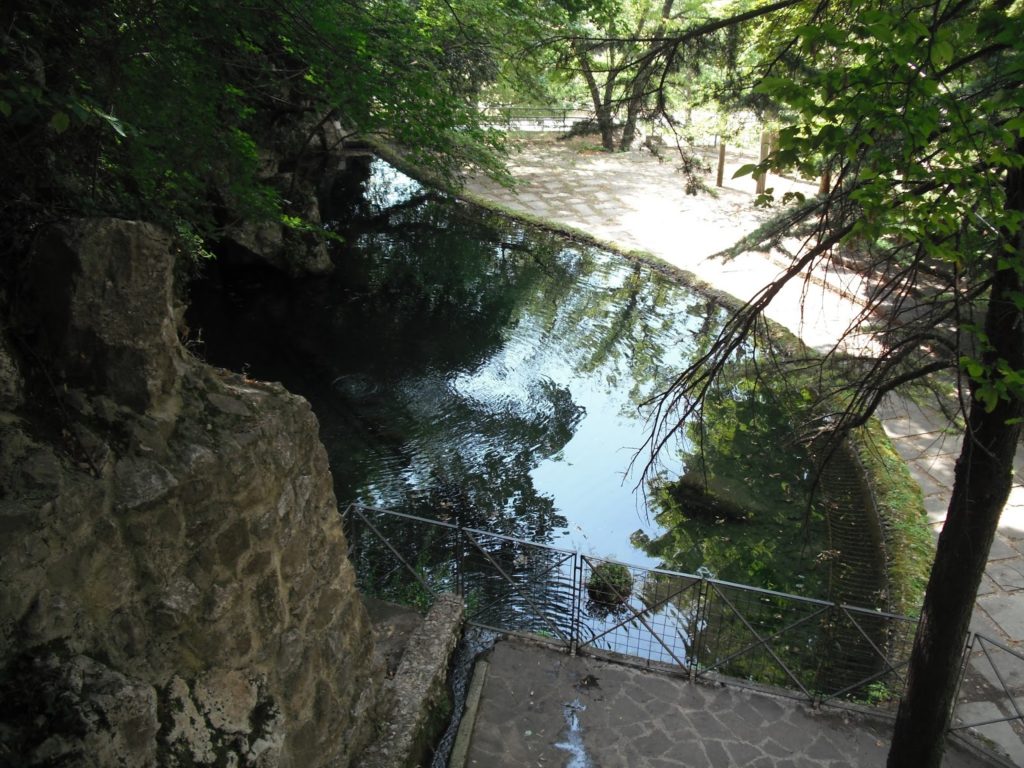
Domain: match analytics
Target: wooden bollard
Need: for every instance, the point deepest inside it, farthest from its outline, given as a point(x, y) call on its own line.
point(766, 149)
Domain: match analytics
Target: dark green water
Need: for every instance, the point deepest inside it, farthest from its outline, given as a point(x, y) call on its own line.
point(468, 367)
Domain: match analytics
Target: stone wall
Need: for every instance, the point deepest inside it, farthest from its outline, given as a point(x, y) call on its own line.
point(174, 588)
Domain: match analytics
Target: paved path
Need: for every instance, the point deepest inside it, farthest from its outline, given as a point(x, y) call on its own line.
point(576, 712)
point(633, 201)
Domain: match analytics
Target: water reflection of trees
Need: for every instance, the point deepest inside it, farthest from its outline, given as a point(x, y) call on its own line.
point(402, 354)
point(469, 463)
point(744, 508)
point(632, 326)
point(423, 290)
point(427, 294)
point(435, 302)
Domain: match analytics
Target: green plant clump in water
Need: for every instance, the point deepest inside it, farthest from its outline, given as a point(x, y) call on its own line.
point(610, 584)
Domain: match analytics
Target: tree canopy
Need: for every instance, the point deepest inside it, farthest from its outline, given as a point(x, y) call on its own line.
point(161, 110)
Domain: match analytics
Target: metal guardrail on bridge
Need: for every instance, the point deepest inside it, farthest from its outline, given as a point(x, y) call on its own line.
point(814, 650)
point(533, 119)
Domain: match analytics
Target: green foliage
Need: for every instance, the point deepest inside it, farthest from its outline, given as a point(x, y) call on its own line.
point(920, 116)
point(915, 113)
point(163, 110)
point(878, 693)
point(617, 59)
point(610, 583)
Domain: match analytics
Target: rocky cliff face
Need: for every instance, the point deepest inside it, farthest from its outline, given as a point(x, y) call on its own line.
point(174, 588)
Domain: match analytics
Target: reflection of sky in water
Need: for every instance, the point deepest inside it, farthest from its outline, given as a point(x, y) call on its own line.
point(387, 187)
point(587, 342)
point(588, 476)
point(460, 358)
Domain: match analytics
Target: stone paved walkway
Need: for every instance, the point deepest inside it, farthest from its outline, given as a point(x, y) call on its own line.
point(633, 201)
point(576, 712)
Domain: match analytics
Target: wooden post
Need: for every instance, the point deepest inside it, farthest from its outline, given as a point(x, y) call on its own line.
point(826, 180)
point(766, 148)
point(721, 164)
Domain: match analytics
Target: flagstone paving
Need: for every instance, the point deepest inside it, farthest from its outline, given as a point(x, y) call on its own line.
point(541, 707)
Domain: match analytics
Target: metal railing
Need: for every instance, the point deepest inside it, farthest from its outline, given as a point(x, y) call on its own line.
point(536, 118)
point(990, 698)
point(812, 649)
point(809, 649)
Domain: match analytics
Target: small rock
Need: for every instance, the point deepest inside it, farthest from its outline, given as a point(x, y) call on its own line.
point(227, 698)
point(140, 482)
point(42, 470)
point(227, 404)
point(188, 732)
point(11, 383)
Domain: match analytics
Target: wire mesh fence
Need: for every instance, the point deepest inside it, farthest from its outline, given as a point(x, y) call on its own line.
point(640, 612)
point(816, 650)
point(820, 650)
point(511, 584)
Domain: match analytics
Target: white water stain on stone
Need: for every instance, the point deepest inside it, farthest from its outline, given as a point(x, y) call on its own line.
point(573, 743)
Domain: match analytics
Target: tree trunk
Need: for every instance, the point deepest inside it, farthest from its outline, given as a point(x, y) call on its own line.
point(629, 127)
point(826, 180)
point(635, 103)
point(606, 124)
point(766, 149)
point(602, 106)
point(981, 485)
point(638, 88)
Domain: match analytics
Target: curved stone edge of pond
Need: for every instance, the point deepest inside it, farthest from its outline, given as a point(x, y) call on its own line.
point(908, 542)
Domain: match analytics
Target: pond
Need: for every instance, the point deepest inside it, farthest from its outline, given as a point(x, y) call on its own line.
point(470, 368)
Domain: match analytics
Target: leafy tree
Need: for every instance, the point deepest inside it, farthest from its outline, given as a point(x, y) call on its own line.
point(640, 61)
point(918, 110)
point(615, 64)
point(160, 110)
point(620, 52)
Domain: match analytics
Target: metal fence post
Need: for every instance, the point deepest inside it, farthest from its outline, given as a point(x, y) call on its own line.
point(699, 621)
point(965, 663)
point(574, 621)
point(460, 578)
